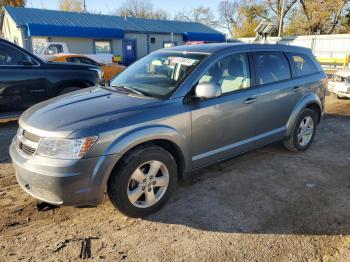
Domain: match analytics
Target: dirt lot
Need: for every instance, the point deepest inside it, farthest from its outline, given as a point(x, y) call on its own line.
point(268, 205)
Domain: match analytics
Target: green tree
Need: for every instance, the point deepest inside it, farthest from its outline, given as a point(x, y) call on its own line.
point(251, 16)
point(322, 16)
point(71, 5)
point(17, 3)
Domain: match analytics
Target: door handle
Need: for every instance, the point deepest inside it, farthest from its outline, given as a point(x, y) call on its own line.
point(249, 100)
point(296, 88)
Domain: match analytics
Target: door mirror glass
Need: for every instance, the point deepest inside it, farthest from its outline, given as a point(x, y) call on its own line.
point(27, 63)
point(49, 52)
point(206, 90)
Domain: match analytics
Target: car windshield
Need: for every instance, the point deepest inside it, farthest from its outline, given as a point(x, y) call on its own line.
point(157, 74)
point(40, 50)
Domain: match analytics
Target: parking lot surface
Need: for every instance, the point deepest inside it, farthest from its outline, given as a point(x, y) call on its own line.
point(267, 205)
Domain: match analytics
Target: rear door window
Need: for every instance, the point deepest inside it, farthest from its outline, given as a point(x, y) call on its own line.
point(301, 64)
point(271, 67)
point(10, 56)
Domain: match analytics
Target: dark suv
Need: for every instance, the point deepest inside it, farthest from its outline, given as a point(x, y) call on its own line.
point(171, 112)
point(26, 80)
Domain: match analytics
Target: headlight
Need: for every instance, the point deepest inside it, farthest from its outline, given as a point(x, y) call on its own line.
point(99, 73)
point(65, 148)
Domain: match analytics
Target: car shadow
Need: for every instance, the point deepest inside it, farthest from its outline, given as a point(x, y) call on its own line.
point(8, 130)
point(269, 191)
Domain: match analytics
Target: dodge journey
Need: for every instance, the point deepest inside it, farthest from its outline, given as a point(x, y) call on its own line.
point(173, 111)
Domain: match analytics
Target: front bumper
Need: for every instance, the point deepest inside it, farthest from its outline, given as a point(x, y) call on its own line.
point(339, 93)
point(62, 182)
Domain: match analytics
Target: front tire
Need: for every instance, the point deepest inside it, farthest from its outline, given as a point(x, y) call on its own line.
point(303, 132)
point(143, 181)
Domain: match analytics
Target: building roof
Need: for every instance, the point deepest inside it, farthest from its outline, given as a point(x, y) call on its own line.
point(58, 19)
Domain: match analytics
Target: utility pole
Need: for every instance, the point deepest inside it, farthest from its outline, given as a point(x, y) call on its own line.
point(84, 4)
point(281, 19)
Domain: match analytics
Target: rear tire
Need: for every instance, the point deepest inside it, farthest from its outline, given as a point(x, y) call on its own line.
point(143, 181)
point(303, 132)
point(67, 90)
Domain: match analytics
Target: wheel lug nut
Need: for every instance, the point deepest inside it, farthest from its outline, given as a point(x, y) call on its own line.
point(149, 189)
point(143, 188)
point(154, 182)
point(151, 177)
point(144, 180)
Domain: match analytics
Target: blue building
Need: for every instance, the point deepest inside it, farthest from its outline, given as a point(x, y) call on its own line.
point(86, 33)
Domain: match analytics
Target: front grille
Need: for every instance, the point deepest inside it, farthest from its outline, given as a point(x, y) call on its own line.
point(27, 142)
point(45, 195)
point(26, 149)
point(31, 136)
point(39, 193)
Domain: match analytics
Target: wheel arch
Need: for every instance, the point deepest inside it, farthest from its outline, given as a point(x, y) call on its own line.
point(165, 137)
point(311, 101)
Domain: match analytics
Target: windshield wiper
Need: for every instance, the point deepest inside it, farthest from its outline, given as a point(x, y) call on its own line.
point(132, 90)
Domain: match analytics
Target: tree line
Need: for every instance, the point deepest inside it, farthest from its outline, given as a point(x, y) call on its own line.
point(240, 17)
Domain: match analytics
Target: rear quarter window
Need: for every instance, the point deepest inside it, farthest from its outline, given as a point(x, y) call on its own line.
point(301, 64)
point(271, 67)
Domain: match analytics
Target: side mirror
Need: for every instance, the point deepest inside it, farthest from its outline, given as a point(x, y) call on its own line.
point(49, 52)
point(206, 90)
point(27, 63)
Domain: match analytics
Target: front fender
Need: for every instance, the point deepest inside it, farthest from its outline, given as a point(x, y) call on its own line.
point(309, 99)
point(131, 139)
point(144, 134)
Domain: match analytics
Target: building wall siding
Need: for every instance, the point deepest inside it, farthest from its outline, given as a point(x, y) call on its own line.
point(117, 47)
point(161, 38)
point(76, 45)
point(10, 31)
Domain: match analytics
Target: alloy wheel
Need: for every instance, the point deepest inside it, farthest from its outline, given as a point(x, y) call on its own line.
point(305, 131)
point(147, 184)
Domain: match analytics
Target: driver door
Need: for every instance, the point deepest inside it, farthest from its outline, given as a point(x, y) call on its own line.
point(225, 126)
point(22, 80)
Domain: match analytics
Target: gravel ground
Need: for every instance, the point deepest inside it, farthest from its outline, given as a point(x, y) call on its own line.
point(267, 205)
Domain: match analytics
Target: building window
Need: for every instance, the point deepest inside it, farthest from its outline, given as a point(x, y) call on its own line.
point(153, 40)
point(103, 47)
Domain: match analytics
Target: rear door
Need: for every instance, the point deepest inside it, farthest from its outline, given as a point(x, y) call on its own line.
point(22, 80)
point(277, 95)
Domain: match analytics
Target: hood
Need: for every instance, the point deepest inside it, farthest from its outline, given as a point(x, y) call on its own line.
point(65, 114)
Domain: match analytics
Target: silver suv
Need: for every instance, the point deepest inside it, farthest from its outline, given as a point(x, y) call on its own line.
point(173, 111)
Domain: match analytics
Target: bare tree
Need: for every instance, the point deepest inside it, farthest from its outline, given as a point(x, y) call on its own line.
point(276, 7)
point(200, 14)
point(141, 9)
point(71, 5)
point(230, 15)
